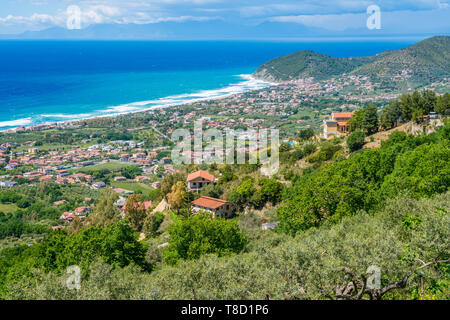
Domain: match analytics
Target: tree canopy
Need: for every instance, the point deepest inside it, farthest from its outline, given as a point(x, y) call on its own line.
point(192, 237)
point(362, 182)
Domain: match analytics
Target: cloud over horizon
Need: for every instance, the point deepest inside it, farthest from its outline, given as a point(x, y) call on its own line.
point(17, 16)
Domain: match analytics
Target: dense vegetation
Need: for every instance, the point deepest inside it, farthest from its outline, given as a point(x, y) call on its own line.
point(275, 266)
point(115, 244)
point(33, 213)
point(199, 235)
point(418, 165)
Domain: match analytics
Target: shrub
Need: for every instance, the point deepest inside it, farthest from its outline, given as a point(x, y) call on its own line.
point(355, 141)
point(192, 237)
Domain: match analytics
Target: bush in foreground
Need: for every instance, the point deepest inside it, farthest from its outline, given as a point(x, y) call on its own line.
point(355, 141)
point(276, 266)
point(192, 237)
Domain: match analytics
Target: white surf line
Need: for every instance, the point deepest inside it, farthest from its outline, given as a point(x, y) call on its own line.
point(251, 84)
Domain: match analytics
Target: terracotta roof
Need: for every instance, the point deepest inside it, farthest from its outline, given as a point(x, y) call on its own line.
point(200, 174)
point(342, 123)
point(67, 216)
point(342, 115)
point(210, 203)
point(147, 205)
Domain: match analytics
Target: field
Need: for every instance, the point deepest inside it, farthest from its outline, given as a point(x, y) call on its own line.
point(110, 166)
point(7, 208)
point(132, 186)
point(45, 147)
point(28, 239)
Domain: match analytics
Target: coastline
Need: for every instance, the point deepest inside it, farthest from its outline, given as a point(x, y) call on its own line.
point(249, 84)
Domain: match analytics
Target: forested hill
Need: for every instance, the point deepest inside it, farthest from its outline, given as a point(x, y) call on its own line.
point(424, 62)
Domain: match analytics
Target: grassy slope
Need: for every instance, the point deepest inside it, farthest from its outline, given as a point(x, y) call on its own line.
point(132, 186)
point(111, 166)
point(7, 208)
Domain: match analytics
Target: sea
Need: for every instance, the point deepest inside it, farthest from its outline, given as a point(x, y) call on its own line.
point(54, 81)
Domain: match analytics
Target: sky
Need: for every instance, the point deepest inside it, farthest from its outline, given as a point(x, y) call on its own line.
point(402, 17)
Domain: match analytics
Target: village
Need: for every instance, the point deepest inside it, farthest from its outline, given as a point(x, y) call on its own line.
point(324, 107)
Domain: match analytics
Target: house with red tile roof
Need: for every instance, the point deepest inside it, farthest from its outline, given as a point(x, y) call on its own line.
point(11, 166)
point(342, 119)
point(67, 216)
point(62, 172)
point(197, 180)
point(338, 124)
point(217, 207)
point(99, 185)
point(147, 206)
point(62, 181)
point(46, 178)
point(82, 210)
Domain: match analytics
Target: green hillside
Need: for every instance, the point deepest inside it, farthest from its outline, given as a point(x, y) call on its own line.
point(424, 62)
point(305, 64)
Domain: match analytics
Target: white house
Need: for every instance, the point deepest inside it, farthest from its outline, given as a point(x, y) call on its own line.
point(199, 179)
point(99, 185)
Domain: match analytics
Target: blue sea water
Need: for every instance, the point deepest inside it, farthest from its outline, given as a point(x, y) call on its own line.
point(49, 81)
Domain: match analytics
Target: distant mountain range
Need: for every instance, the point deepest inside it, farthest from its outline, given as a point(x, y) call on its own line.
point(190, 30)
point(423, 62)
point(193, 30)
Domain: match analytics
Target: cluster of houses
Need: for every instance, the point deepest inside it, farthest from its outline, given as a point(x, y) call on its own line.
point(53, 158)
point(80, 212)
point(60, 176)
point(195, 182)
point(62, 125)
point(217, 207)
point(54, 165)
point(7, 184)
point(4, 147)
point(79, 157)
